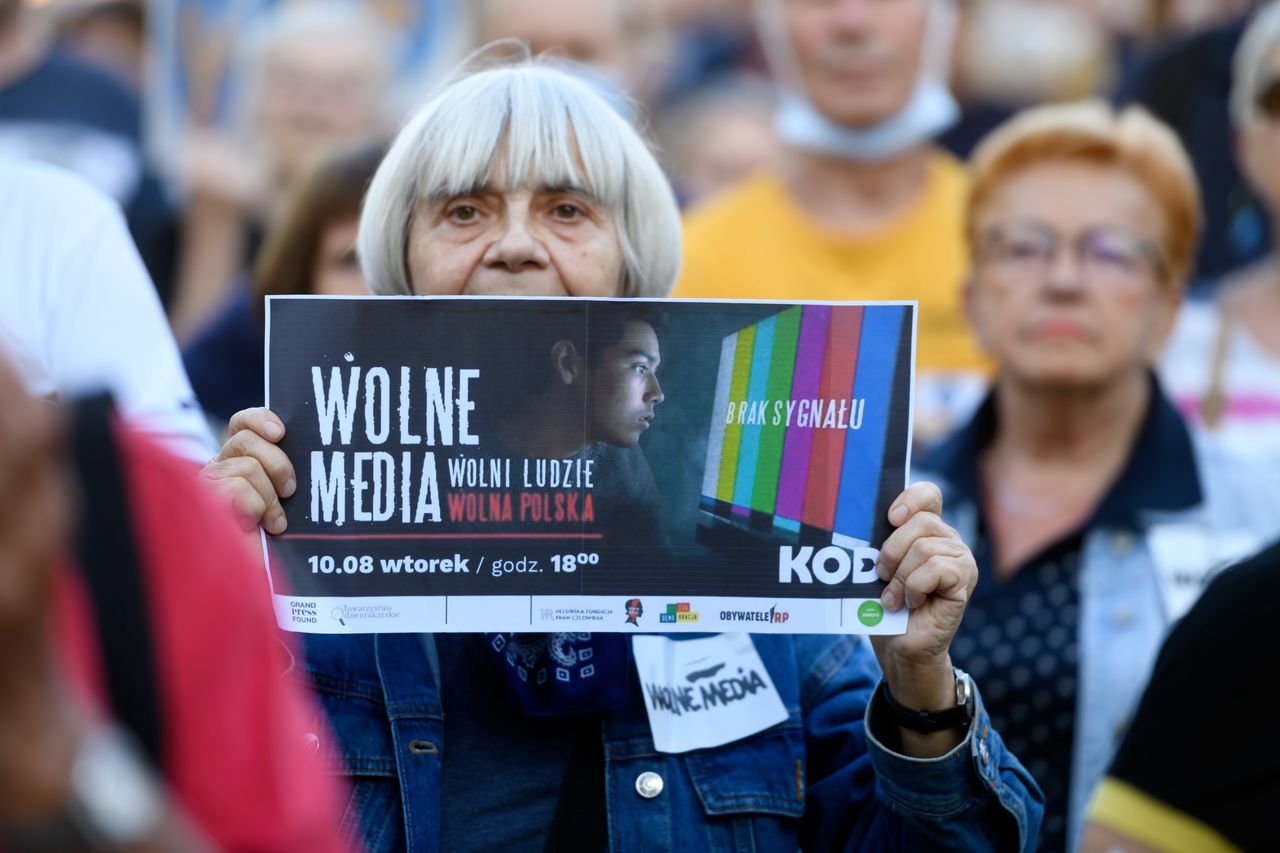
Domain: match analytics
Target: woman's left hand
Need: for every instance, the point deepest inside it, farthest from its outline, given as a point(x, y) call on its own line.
point(931, 572)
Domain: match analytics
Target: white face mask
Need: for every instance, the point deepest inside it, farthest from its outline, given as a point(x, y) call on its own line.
point(929, 111)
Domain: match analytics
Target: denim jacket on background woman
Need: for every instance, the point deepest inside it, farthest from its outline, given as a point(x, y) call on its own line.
point(816, 780)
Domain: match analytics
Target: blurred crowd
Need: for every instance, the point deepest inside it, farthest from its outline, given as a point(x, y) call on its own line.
point(1078, 192)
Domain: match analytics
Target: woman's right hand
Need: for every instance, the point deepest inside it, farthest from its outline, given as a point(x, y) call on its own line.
point(251, 471)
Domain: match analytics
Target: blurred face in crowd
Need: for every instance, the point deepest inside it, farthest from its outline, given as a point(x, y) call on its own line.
point(858, 59)
point(530, 240)
point(1068, 288)
point(727, 147)
point(317, 92)
point(1259, 138)
point(337, 272)
point(623, 387)
point(586, 31)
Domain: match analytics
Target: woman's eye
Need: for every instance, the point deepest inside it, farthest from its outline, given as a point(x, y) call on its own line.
point(639, 369)
point(566, 211)
point(463, 213)
point(1023, 249)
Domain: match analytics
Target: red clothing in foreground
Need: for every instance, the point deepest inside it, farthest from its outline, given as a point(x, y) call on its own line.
point(236, 755)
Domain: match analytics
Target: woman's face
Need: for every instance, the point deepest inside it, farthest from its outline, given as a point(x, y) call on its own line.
point(1068, 286)
point(337, 272)
point(524, 241)
point(1259, 138)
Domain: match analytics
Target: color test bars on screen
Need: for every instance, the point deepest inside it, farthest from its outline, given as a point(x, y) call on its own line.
point(802, 410)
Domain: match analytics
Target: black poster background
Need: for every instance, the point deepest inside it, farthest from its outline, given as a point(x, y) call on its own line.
point(508, 341)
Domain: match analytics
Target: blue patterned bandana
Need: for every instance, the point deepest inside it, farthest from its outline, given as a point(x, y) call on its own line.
point(556, 675)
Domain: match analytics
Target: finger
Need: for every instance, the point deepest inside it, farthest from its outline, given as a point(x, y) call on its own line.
point(927, 547)
point(246, 443)
point(939, 576)
point(247, 504)
point(260, 420)
point(918, 497)
point(919, 526)
point(239, 470)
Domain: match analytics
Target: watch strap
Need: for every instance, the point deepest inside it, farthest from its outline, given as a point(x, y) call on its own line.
point(928, 722)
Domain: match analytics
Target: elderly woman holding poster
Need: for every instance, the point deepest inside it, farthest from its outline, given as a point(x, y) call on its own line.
point(519, 180)
point(1094, 515)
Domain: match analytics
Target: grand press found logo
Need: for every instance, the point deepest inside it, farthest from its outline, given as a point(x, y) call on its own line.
point(679, 612)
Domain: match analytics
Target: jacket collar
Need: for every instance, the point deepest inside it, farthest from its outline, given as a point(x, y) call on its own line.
point(1159, 475)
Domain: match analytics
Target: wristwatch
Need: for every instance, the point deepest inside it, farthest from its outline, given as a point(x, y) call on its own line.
point(928, 722)
point(112, 801)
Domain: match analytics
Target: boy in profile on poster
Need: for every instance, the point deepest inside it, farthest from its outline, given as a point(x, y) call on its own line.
point(590, 397)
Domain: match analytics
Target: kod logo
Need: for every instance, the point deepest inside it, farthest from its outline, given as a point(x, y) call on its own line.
point(830, 565)
point(870, 613)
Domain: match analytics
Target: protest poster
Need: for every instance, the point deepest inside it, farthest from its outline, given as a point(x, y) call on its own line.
point(506, 464)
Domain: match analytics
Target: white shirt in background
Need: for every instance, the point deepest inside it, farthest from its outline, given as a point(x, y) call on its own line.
point(78, 312)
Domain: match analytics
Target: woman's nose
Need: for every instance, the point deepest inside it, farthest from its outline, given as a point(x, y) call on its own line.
point(516, 247)
point(1066, 271)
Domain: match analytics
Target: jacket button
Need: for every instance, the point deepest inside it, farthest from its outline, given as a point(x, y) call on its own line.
point(1122, 617)
point(649, 784)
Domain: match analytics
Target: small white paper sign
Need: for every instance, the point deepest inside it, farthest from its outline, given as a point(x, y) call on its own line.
point(705, 692)
point(1188, 556)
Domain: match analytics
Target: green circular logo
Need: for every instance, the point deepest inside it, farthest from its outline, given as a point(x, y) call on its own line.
point(870, 613)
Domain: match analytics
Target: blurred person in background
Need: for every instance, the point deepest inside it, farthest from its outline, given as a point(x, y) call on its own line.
point(59, 110)
point(691, 44)
point(142, 702)
point(1095, 515)
point(110, 35)
point(864, 205)
point(520, 180)
point(1187, 85)
point(1011, 54)
point(310, 248)
point(1187, 778)
point(1222, 365)
point(77, 310)
point(717, 136)
point(315, 77)
point(596, 36)
point(1175, 18)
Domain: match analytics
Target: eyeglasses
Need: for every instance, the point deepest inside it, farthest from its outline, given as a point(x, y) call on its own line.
point(1267, 100)
point(1106, 254)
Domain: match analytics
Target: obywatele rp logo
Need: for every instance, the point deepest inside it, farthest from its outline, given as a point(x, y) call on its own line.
point(679, 612)
point(634, 611)
point(772, 615)
point(870, 613)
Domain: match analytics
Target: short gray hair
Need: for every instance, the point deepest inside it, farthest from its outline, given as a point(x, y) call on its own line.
point(548, 127)
point(1259, 39)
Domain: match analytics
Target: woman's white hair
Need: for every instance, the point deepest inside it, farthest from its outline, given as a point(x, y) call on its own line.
point(545, 127)
point(1260, 38)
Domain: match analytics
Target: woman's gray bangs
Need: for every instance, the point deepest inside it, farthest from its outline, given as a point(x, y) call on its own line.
point(529, 121)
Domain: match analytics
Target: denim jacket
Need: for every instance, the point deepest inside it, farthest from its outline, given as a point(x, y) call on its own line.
point(1196, 505)
point(817, 780)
